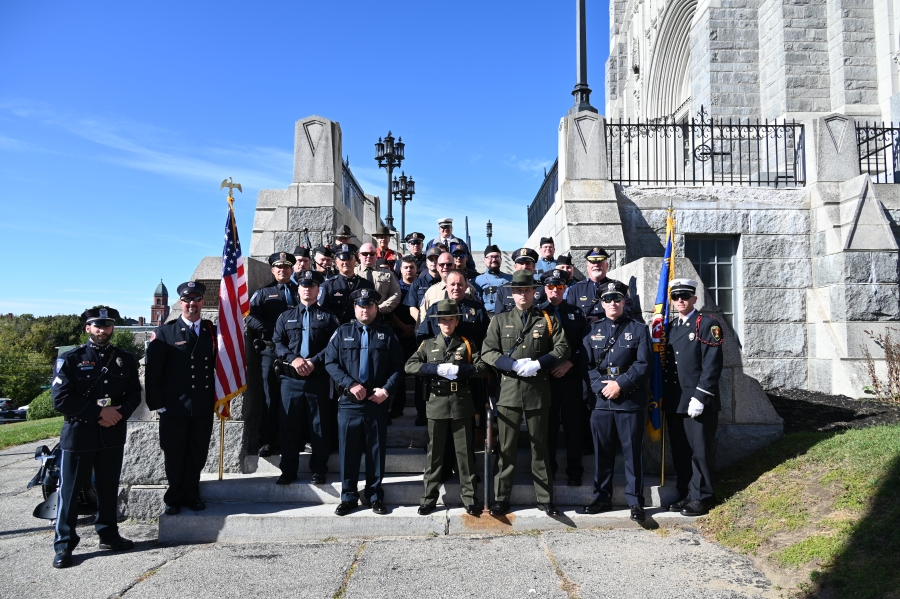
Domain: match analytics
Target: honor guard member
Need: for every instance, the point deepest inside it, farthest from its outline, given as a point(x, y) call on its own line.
point(488, 284)
point(616, 363)
point(180, 384)
point(586, 294)
point(383, 236)
point(266, 305)
point(546, 262)
point(334, 294)
point(302, 257)
point(449, 360)
point(365, 360)
point(301, 335)
point(425, 280)
point(96, 388)
point(416, 244)
point(523, 259)
point(691, 400)
point(525, 345)
point(323, 261)
point(566, 405)
point(383, 280)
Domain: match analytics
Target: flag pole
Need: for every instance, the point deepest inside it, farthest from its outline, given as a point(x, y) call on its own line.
point(662, 424)
point(221, 447)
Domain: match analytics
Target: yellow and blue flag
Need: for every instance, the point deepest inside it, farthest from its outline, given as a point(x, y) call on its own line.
point(658, 327)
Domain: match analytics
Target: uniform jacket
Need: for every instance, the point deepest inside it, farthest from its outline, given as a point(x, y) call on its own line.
point(488, 285)
point(289, 335)
point(584, 296)
point(543, 265)
point(180, 373)
point(630, 350)
point(438, 292)
point(266, 306)
point(458, 404)
point(693, 368)
point(80, 381)
point(505, 302)
point(575, 327)
point(335, 295)
point(539, 343)
point(385, 357)
point(472, 325)
point(386, 284)
point(418, 288)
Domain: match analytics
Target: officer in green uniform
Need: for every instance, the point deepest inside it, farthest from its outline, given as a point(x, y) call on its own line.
point(449, 360)
point(524, 344)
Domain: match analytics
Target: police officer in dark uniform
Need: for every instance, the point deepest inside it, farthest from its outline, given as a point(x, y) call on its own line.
point(180, 383)
point(303, 258)
point(301, 335)
point(266, 305)
point(564, 263)
point(523, 259)
point(586, 294)
point(429, 277)
point(365, 360)
point(416, 243)
point(96, 388)
point(616, 364)
point(473, 320)
point(322, 261)
point(567, 406)
point(335, 292)
point(692, 401)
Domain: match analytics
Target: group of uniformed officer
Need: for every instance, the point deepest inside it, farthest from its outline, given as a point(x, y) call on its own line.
point(333, 335)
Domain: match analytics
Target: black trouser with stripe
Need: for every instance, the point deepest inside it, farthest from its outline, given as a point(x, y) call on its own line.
point(628, 428)
point(185, 445)
point(692, 452)
point(76, 470)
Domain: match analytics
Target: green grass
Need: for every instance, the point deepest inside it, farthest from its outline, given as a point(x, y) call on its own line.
point(19, 433)
point(822, 506)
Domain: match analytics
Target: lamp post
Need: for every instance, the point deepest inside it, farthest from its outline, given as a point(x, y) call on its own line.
point(389, 156)
point(581, 92)
point(490, 231)
point(403, 189)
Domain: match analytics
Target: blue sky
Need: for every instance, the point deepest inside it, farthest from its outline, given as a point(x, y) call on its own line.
point(118, 121)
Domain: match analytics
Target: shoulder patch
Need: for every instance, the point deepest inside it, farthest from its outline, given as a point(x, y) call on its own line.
point(716, 331)
point(59, 364)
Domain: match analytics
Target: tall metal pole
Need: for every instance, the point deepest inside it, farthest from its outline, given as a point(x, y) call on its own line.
point(390, 197)
point(581, 92)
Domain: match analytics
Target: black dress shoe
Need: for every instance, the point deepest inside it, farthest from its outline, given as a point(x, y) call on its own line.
point(171, 510)
point(265, 451)
point(345, 507)
point(548, 508)
point(119, 544)
point(197, 505)
point(637, 513)
point(285, 479)
point(378, 507)
point(421, 421)
point(679, 505)
point(499, 508)
point(63, 559)
point(574, 481)
point(696, 507)
point(424, 510)
point(474, 509)
point(596, 507)
point(317, 478)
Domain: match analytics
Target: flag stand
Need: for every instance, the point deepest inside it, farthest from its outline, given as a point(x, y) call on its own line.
point(662, 451)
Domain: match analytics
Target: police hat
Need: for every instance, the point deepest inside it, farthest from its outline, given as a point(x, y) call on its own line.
point(522, 278)
point(447, 307)
point(610, 291)
point(282, 259)
point(365, 297)
point(445, 221)
point(102, 316)
point(683, 285)
point(596, 254)
point(524, 254)
point(344, 231)
point(191, 288)
point(301, 251)
point(491, 249)
point(310, 278)
point(460, 250)
point(545, 240)
point(343, 252)
point(555, 277)
point(382, 263)
point(382, 232)
point(564, 259)
point(415, 236)
point(434, 251)
point(324, 251)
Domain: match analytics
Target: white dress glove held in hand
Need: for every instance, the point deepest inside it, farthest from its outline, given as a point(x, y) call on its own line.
point(448, 371)
point(520, 363)
point(695, 408)
point(530, 369)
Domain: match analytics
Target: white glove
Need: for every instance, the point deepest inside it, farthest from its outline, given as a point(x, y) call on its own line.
point(521, 362)
point(448, 371)
point(695, 408)
point(530, 369)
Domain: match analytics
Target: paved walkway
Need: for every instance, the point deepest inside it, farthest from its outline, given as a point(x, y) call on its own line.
point(667, 563)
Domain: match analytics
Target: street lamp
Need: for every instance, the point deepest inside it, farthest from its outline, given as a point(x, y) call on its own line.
point(490, 231)
point(403, 189)
point(389, 156)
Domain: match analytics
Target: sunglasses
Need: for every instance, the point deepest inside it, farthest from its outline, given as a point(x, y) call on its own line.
point(555, 287)
point(367, 254)
point(445, 264)
point(681, 295)
point(196, 299)
point(613, 300)
point(414, 242)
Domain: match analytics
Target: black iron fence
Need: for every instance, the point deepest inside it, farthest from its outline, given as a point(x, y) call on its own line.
point(703, 151)
point(354, 197)
point(545, 197)
point(879, 151)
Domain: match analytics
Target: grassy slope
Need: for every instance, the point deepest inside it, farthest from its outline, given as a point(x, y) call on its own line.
point(27, 432)
point(820, 508)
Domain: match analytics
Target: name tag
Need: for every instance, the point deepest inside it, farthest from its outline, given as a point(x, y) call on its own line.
point(180, 342)
point(583, 298)
point(338, 294)
point(349, 339)
point(271, 296)
point(435, 350)
point(294, 320)
point(509, 326)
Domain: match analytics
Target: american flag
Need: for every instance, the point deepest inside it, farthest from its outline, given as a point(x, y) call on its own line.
point(234, 304)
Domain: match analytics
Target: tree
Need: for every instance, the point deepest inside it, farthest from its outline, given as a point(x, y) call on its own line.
point(23, 374)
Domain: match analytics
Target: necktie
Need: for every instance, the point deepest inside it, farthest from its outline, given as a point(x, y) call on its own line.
point(558, 317)
point(524, 317)
point(304, 344)
point(288, 296)
point(369, 275)
point(197, 328)
point(364, 356)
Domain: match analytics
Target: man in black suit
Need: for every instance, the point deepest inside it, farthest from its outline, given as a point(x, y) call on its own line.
point(180, 384)
point(691, 401)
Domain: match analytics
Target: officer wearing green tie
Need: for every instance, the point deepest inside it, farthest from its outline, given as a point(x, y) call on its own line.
point(524, 344)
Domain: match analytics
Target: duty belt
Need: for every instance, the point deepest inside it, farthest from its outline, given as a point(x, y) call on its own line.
point(443, 387)
point(613, 370)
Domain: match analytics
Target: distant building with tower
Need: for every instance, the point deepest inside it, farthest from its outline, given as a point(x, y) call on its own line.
point(159, 311)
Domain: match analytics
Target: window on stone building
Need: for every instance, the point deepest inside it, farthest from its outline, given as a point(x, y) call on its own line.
point(714, 259)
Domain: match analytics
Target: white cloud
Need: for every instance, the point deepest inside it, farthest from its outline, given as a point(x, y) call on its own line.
point(535, 166)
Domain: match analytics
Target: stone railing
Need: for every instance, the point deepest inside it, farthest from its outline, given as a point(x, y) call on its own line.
point(545, 197)
point(879, 151)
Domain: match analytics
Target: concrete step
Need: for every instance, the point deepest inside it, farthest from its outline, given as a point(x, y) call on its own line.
point(237, 522)
point(407, 490)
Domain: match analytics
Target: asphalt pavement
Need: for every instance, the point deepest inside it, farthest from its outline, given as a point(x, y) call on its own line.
point(666, 563)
